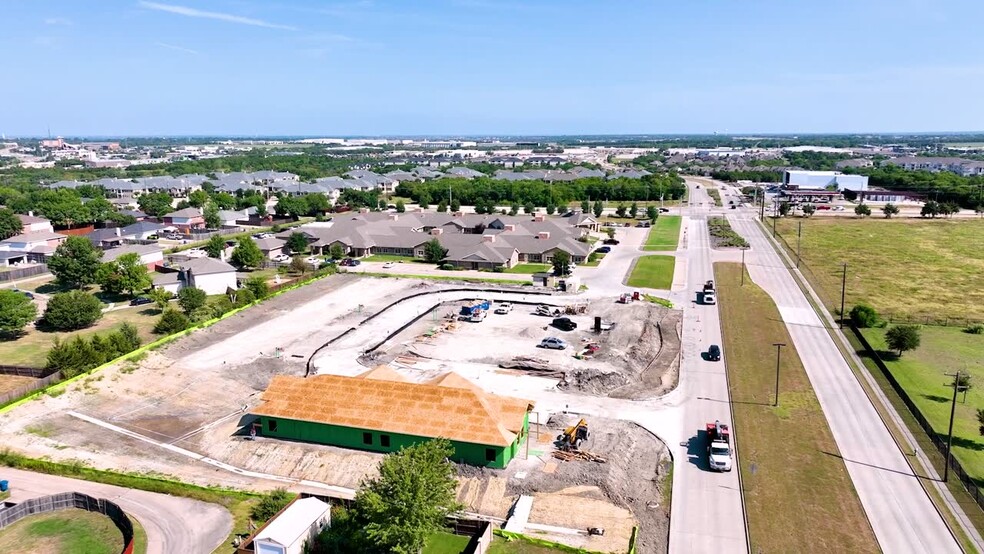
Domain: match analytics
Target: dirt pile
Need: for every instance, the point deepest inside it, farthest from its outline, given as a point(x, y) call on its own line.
point(592, 381)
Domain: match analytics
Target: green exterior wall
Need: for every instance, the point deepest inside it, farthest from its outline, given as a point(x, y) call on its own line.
point(350, 437)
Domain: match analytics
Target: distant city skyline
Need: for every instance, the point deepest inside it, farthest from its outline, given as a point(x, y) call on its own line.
point(184, 68)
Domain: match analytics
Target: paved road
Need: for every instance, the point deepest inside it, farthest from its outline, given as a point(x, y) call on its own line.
point(707, 509)
point(901, 514)
point(172, 524)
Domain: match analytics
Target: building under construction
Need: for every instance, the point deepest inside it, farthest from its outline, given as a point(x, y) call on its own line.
point(381, 411)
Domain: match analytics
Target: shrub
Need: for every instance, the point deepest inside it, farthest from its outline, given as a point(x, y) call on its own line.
point(975, 329)
point(72, 310)
point(270, 504)
point(221, 306)
point(171, 321)
point(258, 286)
point(244, 297)
point(191, 298)
point(76, 356)
point(448, 267)
point(864, 315)
point(16, 311)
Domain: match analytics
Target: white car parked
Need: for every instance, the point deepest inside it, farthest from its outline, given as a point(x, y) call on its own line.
point(553, 343)
point(281, 258)
point(503, 308)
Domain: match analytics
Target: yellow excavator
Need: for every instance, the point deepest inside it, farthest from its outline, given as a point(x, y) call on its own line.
point(574, 436)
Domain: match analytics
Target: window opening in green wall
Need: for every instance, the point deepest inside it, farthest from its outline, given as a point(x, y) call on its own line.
point(272, 425)
point(367, 438)
point(489, 454)
point(384, 440)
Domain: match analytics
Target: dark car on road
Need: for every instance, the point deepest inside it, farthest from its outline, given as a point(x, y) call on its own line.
point(140, 301)
point(611, 241)
point(604, 250)
point(714, 353)
point(564, 324)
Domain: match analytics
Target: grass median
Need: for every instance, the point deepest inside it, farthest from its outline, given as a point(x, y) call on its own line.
point(664, 234)
point(654, 272)
point(798, 494)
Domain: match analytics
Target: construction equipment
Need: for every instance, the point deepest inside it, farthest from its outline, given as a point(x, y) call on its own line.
point(575, 435)
point(718, 446)
point(709, 286)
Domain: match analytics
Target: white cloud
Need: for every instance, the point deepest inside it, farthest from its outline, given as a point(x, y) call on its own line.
point(176, 47)
point(230, 18)
point(58, 21)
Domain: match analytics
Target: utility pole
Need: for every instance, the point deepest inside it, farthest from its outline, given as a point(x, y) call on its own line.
point(743, 248)
point(799, 236)
point(775, 217)
point(778, 346)
point(843, 292)
point(949, 437)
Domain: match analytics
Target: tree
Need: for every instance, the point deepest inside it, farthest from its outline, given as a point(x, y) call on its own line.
point(455, 205)
point(864, 315)
point(336, 251)
point(198, 199)
point(291, 206)
point(16, 311)
point(528, 208)
point(620, 210)
point(962, 381)
point(297, 243)
point(75, 262)
point(862, 210)
point(551, 208)
point(400, 206)
point(72, 357)
point(411, 497)
point(100, 209)
point(930, 208)
point(125, 273)
point(514, 209)
point(949, 208)
point(215, 246)
point(442, 207)
point(171, 321)
point(809, 209)
point(211, 216)
point(246, 254)
point(381, 204)
point(889, 210)
point(258, 286)
point(423, 201)
point(10, 224)
point(634, 210)
point(72, 310)
point(155, 203)
point(980, 421)
point(434, 252)
point(561, 263)
point(226, 201)
point(598, 208)
point(191, 298)
point(586, 207)
point(903, 337)
point(298, 265)
point(652, 213)
point(270, 503)
point(784, 208)
point(610, 232)
point(161, 297)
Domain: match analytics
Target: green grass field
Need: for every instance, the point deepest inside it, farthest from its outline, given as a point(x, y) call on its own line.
point(664, 234)
point(799, 497)
point(64, 531)
point(654, 272)
point(921, 374)
point(529, 269)
point(32, 348)
point(445, 543)
point(910, 268)
point(715, 194)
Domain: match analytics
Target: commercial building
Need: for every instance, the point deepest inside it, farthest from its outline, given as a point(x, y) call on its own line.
point(823, 180)
point(381, 411)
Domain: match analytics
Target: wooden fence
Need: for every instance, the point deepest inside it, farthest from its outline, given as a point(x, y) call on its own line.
point(23, 391)
point(23, 272)
point(69, 500)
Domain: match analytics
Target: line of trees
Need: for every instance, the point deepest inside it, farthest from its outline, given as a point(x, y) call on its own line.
point(483, 191)
point(78, 355)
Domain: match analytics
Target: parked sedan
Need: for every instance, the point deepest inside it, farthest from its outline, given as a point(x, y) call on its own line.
point(503, 308)
point(553, 343)
point(604, 250)
point(281, 258)
point(611, 241)
point(140, 301)
point(313, 260)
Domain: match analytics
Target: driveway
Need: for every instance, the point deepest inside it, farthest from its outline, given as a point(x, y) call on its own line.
point(173, 524)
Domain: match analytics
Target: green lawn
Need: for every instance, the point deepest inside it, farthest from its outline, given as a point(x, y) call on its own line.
point(597, 260)
point(64, 531)
point(664, 234)
point(921, 374)
point(916, 268)
point(799, 496)
point(445, 543)
point(32, 348)
point(715, 194)
point(529, 269)
point(654, 272)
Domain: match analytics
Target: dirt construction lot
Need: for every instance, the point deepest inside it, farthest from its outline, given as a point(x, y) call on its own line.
point(162, 414)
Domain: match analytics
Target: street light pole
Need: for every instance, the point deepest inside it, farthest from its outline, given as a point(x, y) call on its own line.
point(843, 292)
point(778, 346)
point(743, 248)
point(949, 437)
point(799, 237)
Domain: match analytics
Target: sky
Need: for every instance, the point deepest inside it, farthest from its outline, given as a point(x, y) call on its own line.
point(489, 67)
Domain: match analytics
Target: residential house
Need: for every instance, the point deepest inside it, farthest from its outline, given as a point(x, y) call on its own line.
point(288, 531)
point(630, 174)
point(233, 218)
point(150, 255)
point(186, 220)
point(30, 223)
point(38, 244)
point(464, 172)
point(960, 166)
point(271, 247)
point(210, 275)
